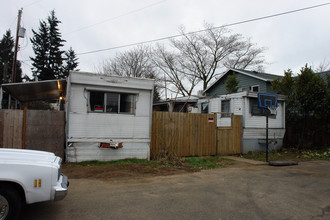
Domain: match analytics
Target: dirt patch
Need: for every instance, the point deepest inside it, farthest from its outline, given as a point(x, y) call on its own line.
point(139, 170)
point(122, 171)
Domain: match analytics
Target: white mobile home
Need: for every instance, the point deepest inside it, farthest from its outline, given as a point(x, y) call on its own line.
point(108, 117)
point(253, 122)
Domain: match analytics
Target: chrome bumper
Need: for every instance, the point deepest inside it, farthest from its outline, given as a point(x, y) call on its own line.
point(62, 190)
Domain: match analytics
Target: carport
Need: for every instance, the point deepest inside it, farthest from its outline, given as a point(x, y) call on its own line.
point(48, 90)
point(28, 128)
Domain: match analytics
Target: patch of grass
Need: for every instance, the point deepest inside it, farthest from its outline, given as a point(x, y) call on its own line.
point(198, 163)
point(95, 163)
point(290, 154)
point(207, 162)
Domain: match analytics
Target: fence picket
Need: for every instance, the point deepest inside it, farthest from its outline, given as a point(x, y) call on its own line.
point(185, 134)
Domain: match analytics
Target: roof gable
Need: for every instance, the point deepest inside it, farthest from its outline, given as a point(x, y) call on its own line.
point(254, 74)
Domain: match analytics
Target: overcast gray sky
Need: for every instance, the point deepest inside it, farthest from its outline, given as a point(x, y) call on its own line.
point(292, 40)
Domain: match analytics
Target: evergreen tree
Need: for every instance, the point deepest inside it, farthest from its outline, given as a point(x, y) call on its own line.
point(232, 84)
point(48, 62)
point(55, 44)
point(310, 93)
point(307, 109)
point(71, 61)
point(6, 59)
point(40, 46)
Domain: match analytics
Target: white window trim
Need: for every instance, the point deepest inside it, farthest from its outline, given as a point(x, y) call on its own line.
point(229, 110)
point(251, 88)
point(111, 91)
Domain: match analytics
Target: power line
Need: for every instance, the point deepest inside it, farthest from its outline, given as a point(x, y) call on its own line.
point(35, 2)
point(194, 32)
point(116, 17)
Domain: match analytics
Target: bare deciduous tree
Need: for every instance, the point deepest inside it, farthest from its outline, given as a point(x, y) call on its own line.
point(323, 66)
point(195, 58)
point(132, 63)
point(177, 78)
point(247, 56)
point(202, 56)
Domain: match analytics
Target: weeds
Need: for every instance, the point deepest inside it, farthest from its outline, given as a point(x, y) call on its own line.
point(95, 163)
point(207, 162)
point(198, 163)
point(290, 154)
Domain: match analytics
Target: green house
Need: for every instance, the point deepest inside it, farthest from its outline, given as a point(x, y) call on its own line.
point(248, 81)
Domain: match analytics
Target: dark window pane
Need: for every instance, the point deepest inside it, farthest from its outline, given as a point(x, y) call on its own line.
point(255, 88)
point(255, 109)
point(225, 107)
point(127, 103)
point(205, 107)
point(97, 101)
point(112, 102)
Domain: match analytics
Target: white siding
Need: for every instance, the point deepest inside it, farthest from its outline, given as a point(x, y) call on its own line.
point(103, 125)
point(87, 129)
point(110, 81)
point(251, 121)
point(237, 106)
point(223, 122)
point(215, 105)
point(78, 152)
point(260, 133)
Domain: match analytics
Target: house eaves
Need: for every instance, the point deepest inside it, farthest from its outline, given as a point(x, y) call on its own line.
point(261, 76)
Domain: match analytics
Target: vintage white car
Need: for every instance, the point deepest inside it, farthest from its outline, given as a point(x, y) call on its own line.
point(29, 176)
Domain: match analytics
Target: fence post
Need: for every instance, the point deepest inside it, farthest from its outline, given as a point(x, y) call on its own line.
point(24, 127)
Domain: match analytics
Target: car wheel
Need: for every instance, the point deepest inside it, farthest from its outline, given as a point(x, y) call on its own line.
point(10, 202)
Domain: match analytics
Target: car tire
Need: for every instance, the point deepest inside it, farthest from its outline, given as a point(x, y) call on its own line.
point(10, 202)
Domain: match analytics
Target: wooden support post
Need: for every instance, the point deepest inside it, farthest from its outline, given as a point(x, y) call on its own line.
point(24, 127)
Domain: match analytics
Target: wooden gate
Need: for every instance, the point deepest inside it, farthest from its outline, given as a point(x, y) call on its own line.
point(185, 134)
point(33, 129)
point(229, 139)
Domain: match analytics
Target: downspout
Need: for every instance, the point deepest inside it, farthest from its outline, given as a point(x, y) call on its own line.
point(150, 120)
point(67, 110)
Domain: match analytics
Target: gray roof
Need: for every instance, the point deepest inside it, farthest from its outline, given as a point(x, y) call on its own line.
point(324, 74)
point(258, 75)
point(263, 76)
point(190, 99)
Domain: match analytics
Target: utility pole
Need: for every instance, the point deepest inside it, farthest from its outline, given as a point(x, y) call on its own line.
point(13, 74)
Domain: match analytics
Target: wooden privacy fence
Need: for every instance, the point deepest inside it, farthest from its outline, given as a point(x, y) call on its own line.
point(229, 139)
point(33, 129)
point(183, 134)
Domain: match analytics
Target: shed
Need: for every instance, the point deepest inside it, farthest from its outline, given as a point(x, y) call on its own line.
point(108, 117)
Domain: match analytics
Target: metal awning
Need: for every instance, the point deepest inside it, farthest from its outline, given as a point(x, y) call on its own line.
point(47, 90)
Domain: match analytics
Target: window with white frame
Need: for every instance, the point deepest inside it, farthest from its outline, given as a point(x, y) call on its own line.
point(112, 102)
point(225, 107)
point(254, 88)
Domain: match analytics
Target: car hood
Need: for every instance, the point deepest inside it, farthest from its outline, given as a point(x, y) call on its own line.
point(8, 155)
